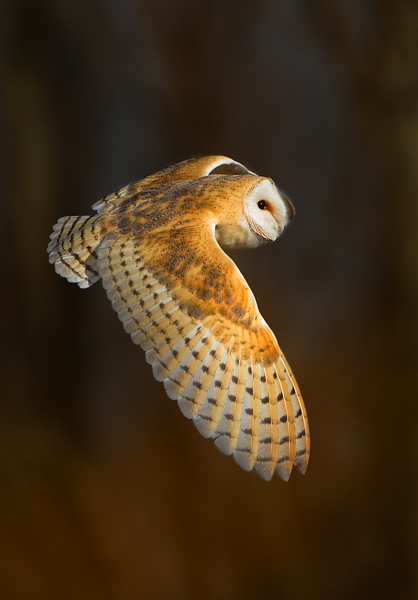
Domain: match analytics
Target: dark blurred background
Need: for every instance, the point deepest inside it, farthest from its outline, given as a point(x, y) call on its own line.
point(106, 491)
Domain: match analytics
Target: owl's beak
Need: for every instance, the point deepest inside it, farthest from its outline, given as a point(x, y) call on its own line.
point(289, 206)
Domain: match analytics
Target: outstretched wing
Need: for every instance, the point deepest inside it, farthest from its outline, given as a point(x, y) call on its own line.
point(186, 303)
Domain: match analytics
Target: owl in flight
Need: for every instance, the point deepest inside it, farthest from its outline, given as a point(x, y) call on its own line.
point(157, 244)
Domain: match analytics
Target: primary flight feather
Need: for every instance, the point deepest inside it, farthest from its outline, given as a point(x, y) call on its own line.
point(157, 244)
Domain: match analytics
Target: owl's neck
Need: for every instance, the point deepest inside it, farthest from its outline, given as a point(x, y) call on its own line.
point(234, 235)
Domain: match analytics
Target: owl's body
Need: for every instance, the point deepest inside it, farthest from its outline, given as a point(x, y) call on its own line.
point(157, 246)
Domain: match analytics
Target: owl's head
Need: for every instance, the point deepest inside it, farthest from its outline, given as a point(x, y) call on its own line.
point(265, 212)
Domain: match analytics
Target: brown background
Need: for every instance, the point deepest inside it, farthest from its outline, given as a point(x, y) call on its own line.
point(106, 491)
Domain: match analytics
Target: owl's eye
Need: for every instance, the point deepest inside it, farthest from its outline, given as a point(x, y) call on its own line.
point(261, 204)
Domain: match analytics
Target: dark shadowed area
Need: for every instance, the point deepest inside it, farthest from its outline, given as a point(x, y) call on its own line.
point(106, 490)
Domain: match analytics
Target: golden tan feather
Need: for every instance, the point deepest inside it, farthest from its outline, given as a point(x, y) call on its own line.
point(155, 245)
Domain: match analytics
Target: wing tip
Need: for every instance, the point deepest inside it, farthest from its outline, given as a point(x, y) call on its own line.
point(303, 466)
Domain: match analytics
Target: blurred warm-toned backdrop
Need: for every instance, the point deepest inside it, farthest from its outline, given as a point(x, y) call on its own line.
point(320, 95)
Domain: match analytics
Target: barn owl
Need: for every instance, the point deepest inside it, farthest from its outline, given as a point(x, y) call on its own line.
point(158, 246)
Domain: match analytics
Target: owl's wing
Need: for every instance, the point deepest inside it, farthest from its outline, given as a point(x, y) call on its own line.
point(193, 168)
point(186, 303)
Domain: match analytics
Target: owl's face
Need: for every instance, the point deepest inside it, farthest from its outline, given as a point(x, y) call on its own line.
point(266, 212)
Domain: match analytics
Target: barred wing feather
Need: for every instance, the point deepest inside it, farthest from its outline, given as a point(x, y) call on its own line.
point(190, 309)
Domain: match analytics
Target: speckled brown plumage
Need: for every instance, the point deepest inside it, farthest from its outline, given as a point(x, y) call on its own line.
point(156, 246)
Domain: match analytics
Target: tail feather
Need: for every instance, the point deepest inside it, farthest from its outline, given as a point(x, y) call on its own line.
point(72, 249)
